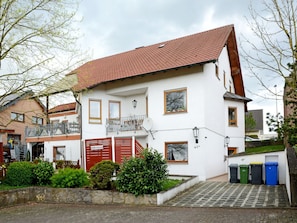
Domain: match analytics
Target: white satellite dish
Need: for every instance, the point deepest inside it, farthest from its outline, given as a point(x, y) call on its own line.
point(147, 124)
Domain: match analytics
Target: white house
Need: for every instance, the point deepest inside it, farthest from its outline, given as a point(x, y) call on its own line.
point(183, 97)
point(58, 140)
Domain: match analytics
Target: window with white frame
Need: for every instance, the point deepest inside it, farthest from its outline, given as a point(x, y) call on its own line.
point(95, 111)
point(114, 110)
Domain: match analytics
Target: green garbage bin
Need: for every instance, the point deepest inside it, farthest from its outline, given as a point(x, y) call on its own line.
point(244, 174)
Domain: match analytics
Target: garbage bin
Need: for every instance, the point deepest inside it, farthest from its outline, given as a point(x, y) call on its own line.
point(256, 172)
point(244, 174)
point(271, 173)
point(233, 173)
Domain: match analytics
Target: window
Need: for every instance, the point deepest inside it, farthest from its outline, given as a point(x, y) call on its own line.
point(17, 117)
point(114, 110)
point(37, 120)
point(232, 150)
point(217, 71)
point(95, 111)
point(59, 153)
point(176, 151)
point(175, 101)
point(232, 116)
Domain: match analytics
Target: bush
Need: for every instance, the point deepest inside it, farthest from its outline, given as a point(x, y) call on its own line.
point(144, 174)
point(69, 177)
point(19, 174)
point(43, 171)
point(101, 174)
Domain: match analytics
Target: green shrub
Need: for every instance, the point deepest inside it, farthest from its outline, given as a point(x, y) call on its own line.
point(43, 171)
point(144, 174)
point(69, 177)
point(101, 174)
point(20, 174)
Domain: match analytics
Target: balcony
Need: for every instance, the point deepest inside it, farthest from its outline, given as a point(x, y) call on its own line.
point(125, 124)
point(56, 129)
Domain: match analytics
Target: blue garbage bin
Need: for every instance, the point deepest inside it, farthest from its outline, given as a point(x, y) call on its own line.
point(271, 173)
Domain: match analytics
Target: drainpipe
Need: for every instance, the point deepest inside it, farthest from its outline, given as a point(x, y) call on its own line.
point(80, 131)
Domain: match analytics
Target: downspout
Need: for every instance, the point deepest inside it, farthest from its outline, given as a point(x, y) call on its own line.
point(80, 130)
point(46, 110)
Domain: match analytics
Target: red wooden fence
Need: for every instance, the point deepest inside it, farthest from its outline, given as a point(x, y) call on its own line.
point(97, 150)
point(101, 149)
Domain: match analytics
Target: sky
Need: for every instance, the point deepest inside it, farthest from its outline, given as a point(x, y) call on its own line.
point(109, 27)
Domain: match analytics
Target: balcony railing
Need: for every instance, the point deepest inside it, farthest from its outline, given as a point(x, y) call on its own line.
point(131, 123)
point(53, 129)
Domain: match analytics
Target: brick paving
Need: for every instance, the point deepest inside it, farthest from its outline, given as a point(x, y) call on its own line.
point(224, 194)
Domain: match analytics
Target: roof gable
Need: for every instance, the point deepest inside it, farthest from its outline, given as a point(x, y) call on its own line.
point(185, 51)
point(63, 108)
point(12, 99)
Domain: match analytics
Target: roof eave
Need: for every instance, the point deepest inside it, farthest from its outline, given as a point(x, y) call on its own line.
point(143, 74)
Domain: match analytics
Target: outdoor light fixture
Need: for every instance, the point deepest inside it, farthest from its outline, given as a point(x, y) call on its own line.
point(134, 103)
point(196, 133)
point(227, 141)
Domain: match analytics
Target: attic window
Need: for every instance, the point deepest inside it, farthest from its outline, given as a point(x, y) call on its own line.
point(161, 45)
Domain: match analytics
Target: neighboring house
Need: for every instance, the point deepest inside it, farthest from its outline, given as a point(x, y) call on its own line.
point(184, 97)
point(16, 112)
point(58, 140)
point(259, 128)
point(258, 117)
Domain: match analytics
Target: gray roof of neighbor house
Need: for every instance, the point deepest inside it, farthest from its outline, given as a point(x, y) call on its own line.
point(11, 99)
point(186, 51)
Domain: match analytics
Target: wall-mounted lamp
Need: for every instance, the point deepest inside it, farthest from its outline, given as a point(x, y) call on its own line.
point(196, 133)
point(134, 103)
point(227, 141)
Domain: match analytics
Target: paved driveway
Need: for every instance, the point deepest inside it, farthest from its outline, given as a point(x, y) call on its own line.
point(224, 194)
point(67, 213)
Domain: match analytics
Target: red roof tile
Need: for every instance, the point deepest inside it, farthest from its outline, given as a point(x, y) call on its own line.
point(193, 49)
point(62, 108)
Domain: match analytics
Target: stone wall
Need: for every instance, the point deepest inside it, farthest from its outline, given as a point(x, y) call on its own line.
point(72, 195)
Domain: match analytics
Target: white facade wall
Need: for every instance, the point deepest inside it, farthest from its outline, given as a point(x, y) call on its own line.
point(236, 133)
point(206, 109)
point(69, 118)
point(72, 149)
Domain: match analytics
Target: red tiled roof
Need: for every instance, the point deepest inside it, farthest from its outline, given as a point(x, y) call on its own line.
point(62, 108)
point(193, 49)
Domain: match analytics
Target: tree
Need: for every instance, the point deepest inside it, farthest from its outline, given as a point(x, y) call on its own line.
point(37, 43)
point(276, 124)
point(250, 122)
point(273, 53)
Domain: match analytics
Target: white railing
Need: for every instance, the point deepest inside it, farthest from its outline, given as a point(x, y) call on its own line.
point(131, 123)
point(53, 129)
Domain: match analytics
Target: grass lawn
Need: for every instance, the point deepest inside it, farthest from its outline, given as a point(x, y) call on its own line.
point(264, 149)
point(170, 183)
